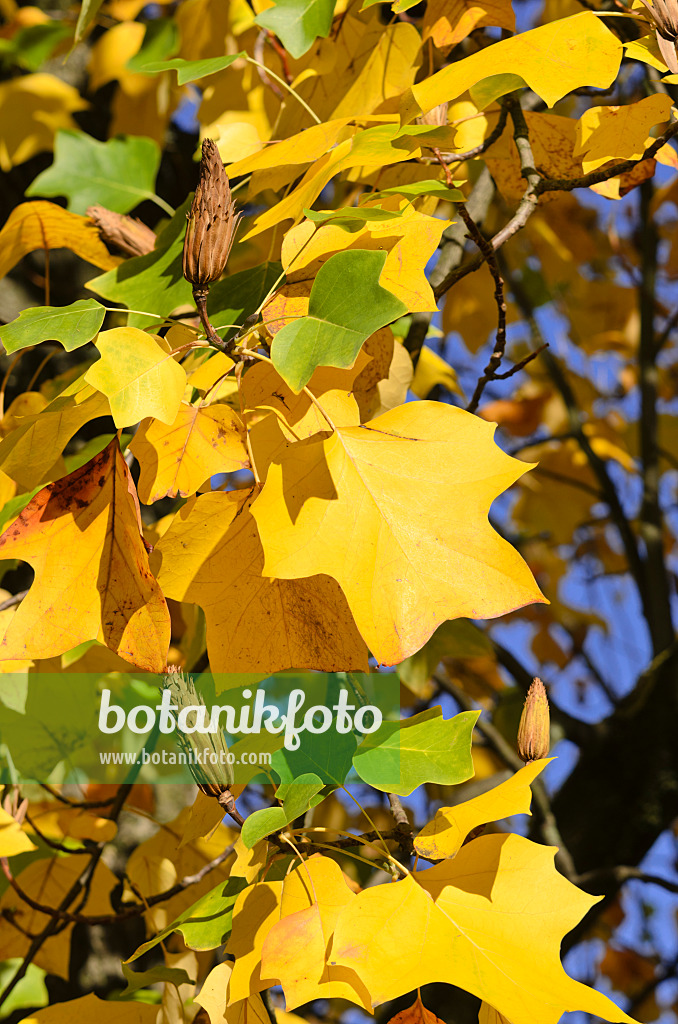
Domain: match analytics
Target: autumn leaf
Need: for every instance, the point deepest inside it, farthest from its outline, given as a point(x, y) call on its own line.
point(30, 453)
point(91, 1008)
point(82, 535)
point(296, 949)
point(211, 555)
point(43, 225)
point(138, 376)
point(32, 108)
point(177, 459)
point(448, 23)
point(47, 881)
point(443, 837)
point(362, 506)
point(619, 132)
point(415, 1014)
point(213, 997)
point(467, 925)
point(13, 839)
point(553, 60)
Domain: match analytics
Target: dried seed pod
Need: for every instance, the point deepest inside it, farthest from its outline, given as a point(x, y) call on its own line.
point(207, 753)
point(125, 234)
point(534, 738)
point(212, 222)
point(664, 14)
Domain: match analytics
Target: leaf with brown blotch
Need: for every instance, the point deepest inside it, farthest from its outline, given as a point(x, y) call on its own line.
point(177, 459)
point(211, 555)
point(82, 535)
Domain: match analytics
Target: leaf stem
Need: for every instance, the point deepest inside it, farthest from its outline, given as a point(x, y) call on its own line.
point(163, 205)
point(284, 84)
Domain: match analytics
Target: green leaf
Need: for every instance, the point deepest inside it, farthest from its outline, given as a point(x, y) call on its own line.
point(72, 326)
point(88, 13)
point(191, 70)
point(296, 796)
point(118, 174)
point(206, 924)
point(352, 215)
point(143, 979)
point(423, 188)
point(29, 993)
point(32, 46)
point(459, 638)
point(400, 756)
point(298, 23)
point(155, 281)
point(347, 305)
point(160, 41)
point(488, 90)
point(330, 762)
point(235, 298)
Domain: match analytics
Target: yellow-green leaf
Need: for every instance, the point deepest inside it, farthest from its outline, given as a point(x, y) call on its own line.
point(138, 376)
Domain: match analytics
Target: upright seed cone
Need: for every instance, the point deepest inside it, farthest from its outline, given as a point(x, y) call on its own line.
point(534, 730)
point(212, 222)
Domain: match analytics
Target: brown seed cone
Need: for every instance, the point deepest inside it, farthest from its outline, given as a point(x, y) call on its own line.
point(664, 14)
point(534, 731)
point(212, 222)
point(125, 234)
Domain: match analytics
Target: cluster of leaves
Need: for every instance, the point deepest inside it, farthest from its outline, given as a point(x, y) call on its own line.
point(315, 497)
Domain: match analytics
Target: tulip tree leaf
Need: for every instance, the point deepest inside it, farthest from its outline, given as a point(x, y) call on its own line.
point(298, 23)
point(331, 762)
point(155, 281)
point(296, 796)
point(191, 70)
point(118, 174)
point(347, 305)
point(352, 214)
point(423, 188)
point(137, 980)
point(88, 13)
point(72, 326)
point(235, 298)
point(400, 756)
point(204, 925)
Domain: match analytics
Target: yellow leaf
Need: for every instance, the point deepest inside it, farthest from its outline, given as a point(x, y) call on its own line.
point(256, 910)
point(213, 998)
point(488, 1015)
point(490, 921)
point(619, 133)
point(553, 59)
point(296, 948)
point(91, 1008)
point(59, 822)
point(302, 148)
point(248, 861)
point(553, 138)
point(443, 837)
point(13, 839)
point(212, 556)
point(360, 72)
point(204, 816)
point(208, 373)
point(43, 225)
point(138, 376)
point(82, 535)
point(177, 459)
point(32, 109)
point(415, 1014)
point(433, 370)
point(410, 241)
point(29, 453)
point(47, 881)
point(447, 23)
point(112, 50)
point(161, 861)
point(357, 506)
